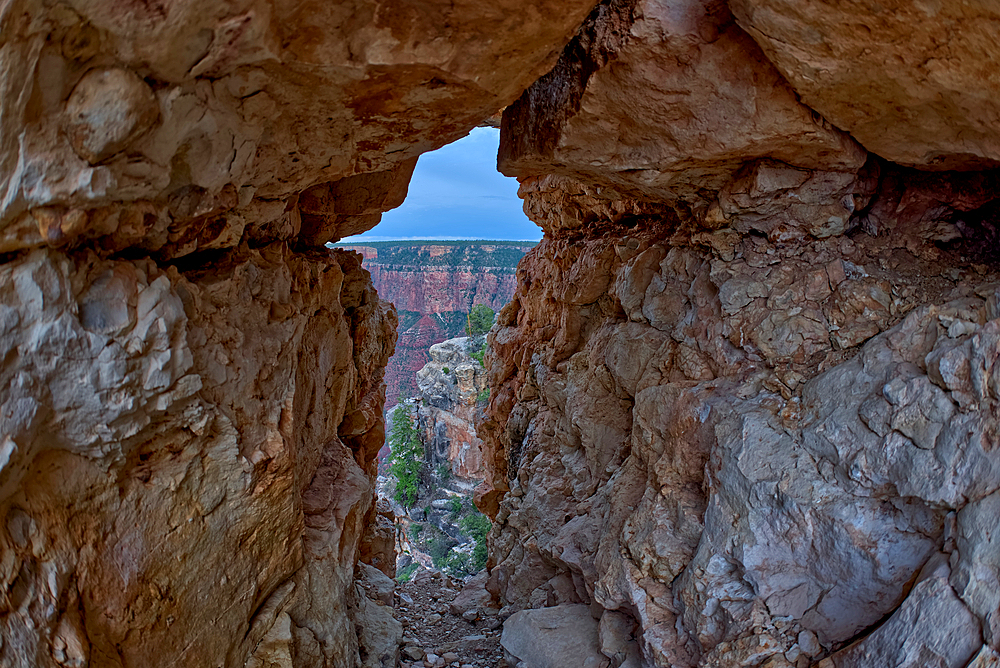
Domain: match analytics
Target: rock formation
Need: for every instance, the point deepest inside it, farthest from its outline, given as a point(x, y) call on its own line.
point(192, 385)
point(744, 402)
point(452, 385)
point(746, 392)
point(433, 286)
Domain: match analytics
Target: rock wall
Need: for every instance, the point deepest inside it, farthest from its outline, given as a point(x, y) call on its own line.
point(191, 383)
point(747, 390)
point(433, 287)
point(451, 386)
point(746, 394)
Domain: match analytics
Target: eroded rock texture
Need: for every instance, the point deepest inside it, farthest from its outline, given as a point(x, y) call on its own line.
point(187, 454)
point(192, 384)
point(452, 389)
point(746, 392)
point(744, 443)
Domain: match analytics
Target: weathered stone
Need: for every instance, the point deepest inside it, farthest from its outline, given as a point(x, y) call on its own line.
point(379, 633)
point(108, 110)
point(905, 79)
point(474, 596)
point(682, 73)
point(266, 101)
point(450, 388)
point(931, 627)
point(561, 637)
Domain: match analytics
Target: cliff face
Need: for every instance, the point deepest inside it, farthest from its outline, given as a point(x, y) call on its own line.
point(744, 400)
point(433, 287)
point(451, 386)
point(747, 389)
point(190, 383)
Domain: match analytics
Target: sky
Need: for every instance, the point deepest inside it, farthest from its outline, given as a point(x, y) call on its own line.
point(457, 193)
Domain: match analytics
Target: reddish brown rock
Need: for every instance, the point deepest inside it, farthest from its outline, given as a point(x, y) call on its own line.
point(912, 81)
point(665, 101)
point(433, 287)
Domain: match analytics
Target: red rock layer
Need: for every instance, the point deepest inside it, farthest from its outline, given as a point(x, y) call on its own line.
point(432, 299)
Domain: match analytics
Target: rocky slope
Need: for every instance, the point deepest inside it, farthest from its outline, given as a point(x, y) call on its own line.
point(747, 390)
point(452, 386)
point(433, 286)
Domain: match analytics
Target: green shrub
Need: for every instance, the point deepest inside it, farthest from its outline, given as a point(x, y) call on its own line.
point(479, 355)
point(406, 574)
point(460, 565)
point(443, 471)
point(476, 525)
point(406, 459)
point(415, 530)
point(438, 550)
point(480, 320)
point(455, 505)
point(446, 369)
point(483, 396)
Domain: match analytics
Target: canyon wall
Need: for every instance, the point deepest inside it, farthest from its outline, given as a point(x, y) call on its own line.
point(433, 286)
point(746, 394)
point(452, 388)
point(192, 391)
point(744, 401)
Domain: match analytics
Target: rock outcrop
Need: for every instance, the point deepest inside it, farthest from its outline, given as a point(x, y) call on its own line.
point(746, 393)
point(452, 386)
point(192, 384)
point(226, 416)
point(433, 286)
point(744, 404)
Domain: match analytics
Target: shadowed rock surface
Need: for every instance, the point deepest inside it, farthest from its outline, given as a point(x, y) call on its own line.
point(743, 405)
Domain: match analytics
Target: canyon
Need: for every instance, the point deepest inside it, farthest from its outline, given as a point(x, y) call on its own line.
point(743, 404)
point(433, 286)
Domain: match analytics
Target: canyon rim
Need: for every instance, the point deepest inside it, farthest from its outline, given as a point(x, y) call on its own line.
point(743, 403)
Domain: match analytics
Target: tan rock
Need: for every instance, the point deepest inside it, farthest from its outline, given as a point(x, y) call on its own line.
point(267, 101)
point(167, 369)
point(910, 81)
point(665, 101)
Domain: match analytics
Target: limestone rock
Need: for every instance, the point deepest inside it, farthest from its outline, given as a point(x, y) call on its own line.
point(450, 386)
point(932, 627)
point(561, 637)
point(256, 100)
point(379, 633)
point(907, 80)
point(136, 387)
point(107, 110)
point(376, 585)
point(473, 597)
point(664, 101)
point(755, 445)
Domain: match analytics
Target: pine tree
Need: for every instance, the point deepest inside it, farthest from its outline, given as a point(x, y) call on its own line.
point(406, 457)
point(479, 320)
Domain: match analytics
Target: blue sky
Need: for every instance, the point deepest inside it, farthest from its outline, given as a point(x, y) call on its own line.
point(457, 193)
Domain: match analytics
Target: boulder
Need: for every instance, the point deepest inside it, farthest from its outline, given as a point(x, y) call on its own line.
point(565, 636)
point(908, 80)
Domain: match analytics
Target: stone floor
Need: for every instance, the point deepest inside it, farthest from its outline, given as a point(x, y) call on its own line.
point(437, 633)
